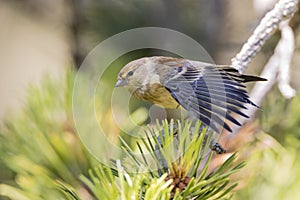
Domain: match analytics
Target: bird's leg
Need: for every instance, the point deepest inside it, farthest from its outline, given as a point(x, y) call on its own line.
point(214, 145)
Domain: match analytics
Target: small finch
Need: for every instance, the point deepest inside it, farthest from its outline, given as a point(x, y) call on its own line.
point(209, 92)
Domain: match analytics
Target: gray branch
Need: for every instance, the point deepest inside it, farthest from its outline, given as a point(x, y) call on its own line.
point(283, 10)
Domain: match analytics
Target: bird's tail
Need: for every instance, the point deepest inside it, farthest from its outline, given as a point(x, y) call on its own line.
point(243, 78)
point(249, 78)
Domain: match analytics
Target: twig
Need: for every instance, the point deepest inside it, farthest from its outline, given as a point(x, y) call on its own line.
point(283, 10)
point(286, 53)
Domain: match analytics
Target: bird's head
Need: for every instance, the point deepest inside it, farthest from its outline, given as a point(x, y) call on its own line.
point(135, 74)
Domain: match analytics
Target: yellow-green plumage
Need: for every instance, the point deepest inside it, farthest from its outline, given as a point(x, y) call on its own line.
point(157, 94)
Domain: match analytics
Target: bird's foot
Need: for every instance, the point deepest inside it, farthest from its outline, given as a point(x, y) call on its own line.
point(216, 147)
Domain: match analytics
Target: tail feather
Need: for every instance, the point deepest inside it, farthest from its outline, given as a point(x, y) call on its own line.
point(248, 78)
point(245, 78)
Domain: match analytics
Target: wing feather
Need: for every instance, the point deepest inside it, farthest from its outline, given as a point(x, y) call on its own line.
point(209, 93)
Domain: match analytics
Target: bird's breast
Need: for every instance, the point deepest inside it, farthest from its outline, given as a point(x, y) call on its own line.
point(157, 94)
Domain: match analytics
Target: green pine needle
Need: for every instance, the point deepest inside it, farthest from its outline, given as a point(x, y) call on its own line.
point(183, 150)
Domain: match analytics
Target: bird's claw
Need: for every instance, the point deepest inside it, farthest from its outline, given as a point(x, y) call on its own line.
point(216, 147)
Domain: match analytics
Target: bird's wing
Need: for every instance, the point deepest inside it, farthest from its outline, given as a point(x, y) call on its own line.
point(209, 93)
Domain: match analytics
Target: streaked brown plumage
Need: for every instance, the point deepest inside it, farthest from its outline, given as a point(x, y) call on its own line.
point(208, 91)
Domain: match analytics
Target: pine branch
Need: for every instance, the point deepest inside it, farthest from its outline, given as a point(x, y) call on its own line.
point(181, 176)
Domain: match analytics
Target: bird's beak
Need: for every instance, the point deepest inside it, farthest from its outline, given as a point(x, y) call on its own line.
point(121, 82)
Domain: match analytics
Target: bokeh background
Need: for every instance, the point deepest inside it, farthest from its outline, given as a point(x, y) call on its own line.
point(44, 42)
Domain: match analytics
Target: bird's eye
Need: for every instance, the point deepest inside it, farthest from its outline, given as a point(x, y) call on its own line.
point(130, 73)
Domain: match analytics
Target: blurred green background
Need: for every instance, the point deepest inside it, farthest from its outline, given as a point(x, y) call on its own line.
point(43, 42)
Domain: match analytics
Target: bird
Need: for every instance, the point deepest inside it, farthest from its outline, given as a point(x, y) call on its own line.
point(209, 92)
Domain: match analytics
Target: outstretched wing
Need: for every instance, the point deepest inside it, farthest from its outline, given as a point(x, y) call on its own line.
point(210, 93)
